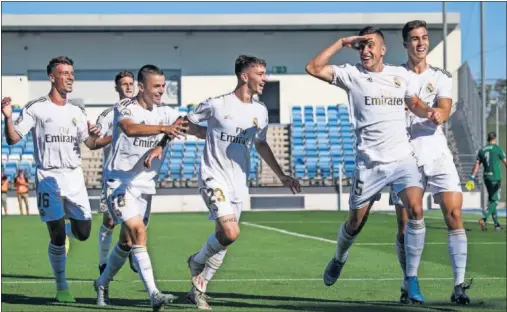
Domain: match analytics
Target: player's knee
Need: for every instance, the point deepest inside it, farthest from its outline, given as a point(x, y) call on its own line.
point(58, 238)
point(125, 245)
point(415, 210)
point(82, 229)
point(228, 235)
point(139, 236)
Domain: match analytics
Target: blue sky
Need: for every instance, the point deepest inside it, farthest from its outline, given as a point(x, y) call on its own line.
point(495, 18)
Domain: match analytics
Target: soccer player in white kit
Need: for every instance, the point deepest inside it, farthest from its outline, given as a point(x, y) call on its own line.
point(235, 121)
point(59, 126)
point(377, 94)
point(124, 85)
point(434, 158)
point(139, 125)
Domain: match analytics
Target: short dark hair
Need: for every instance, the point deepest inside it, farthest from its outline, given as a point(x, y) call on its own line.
point(148, 70)
point(57, 61)
point(411, 26)
point(491, 136)
point(369, 30)
point(123, 74)
point(245, 61)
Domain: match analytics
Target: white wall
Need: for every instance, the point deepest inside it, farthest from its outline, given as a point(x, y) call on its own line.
point(194, 203)
point(206, 60)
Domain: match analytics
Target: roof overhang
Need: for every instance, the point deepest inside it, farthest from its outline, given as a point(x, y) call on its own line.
point(218, 22)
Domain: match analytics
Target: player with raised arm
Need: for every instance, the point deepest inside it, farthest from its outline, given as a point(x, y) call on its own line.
point(124, 85)
point(377, 94)
point(490, 157)
point(58, 126)
point(141, 123)
point(434, 158)
point(235, 121)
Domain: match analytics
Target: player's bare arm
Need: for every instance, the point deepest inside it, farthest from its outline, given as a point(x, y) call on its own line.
point(157, 151)
point(132, 129)
point(101, 142)
point(267, 155)
point(11, 136)
point(444, 108)
point(416, 106)
point(319, 67)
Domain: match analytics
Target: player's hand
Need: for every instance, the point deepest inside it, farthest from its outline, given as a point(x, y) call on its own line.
point(155, 153)
point(470, 185)
point(7, 107)
point(291, 183)
point(93, 131)
point(178, 129)
point(436, 117)
point(353, 41)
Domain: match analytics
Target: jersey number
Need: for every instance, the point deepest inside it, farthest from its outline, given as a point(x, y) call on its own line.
point(486, 156)
point(43, 200)
point(215, 195)
point(358, 187)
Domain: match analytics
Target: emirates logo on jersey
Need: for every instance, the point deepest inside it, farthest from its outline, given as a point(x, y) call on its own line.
point(430, 88)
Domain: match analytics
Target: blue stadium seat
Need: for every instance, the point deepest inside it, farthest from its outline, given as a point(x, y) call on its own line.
point(321, 128)
point(16, 149)
point(311, 166)
point(297, 123)
point(300, 170)
point(188, 172)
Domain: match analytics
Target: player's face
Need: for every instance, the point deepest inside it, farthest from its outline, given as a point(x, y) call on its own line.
point(372, 51)
point(417, 43)
point(125, 87)
point(62, 78)
point(153, 88)
point(256, 78)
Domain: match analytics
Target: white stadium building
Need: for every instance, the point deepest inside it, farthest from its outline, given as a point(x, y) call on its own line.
point(197, 54)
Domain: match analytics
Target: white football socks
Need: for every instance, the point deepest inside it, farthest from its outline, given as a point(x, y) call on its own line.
point(209, 249)
point(58, 261)
point(343, 244)
point(105, 240)
point(457, 247)
point(415, 235)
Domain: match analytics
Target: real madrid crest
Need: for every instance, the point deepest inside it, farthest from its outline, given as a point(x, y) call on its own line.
point(397, 82)
point(254, 122)
point(74, 122)
point(429, 87)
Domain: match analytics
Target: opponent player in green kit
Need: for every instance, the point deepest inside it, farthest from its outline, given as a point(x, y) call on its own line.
point(490, 157)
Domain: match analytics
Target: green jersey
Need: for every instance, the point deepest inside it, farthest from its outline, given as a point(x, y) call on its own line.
point(490, 157)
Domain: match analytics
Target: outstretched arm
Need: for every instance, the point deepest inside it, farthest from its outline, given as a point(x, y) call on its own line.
point(267, 155)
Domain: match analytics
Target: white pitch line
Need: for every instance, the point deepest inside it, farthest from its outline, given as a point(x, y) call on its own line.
point(241, 280)
point(269, 228)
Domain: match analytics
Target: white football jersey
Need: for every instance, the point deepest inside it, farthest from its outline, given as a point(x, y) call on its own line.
point(105, 124)
point(126, 163)
point(232, 127)
point(57, 132)
point(426, 137)
point(377, 110)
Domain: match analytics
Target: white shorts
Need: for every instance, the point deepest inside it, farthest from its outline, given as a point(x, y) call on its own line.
point(125, 202)
point(438, 176)
point(368, 181)
point(62, 193)
point(216, 196)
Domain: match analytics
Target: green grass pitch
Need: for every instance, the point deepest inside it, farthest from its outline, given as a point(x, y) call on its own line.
point(276, 265)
